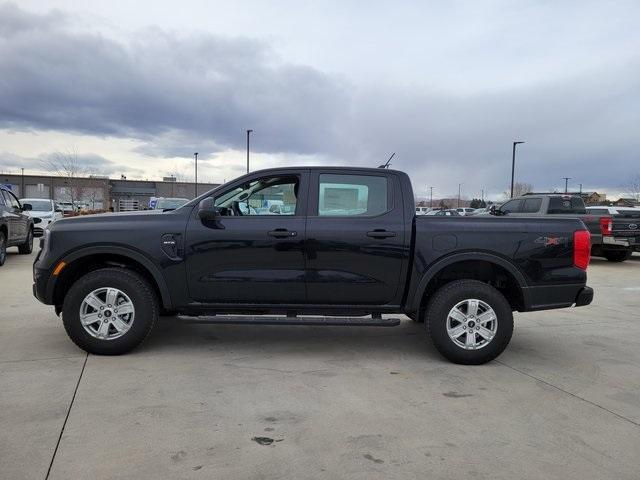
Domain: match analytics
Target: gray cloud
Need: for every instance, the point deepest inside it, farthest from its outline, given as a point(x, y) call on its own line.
point(176, 93)
point(91, 163)
point(57, 78)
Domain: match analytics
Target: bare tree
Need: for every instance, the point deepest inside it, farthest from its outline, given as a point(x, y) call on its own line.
point(632, 187)
point(93, 195)
point(518, 189)
point(67, 166)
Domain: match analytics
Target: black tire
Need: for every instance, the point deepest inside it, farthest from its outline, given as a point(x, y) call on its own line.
point(136, 287)
point(3, 248)
point(617, 255)
point(27, 247)
point(450, 295)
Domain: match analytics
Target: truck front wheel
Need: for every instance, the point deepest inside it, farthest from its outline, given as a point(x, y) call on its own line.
point(110, 311)
point(469, 322)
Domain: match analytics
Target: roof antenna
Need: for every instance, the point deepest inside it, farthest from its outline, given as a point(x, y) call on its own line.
point(386, 165)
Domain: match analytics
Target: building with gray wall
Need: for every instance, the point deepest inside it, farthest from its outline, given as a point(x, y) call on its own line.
point(100, 193)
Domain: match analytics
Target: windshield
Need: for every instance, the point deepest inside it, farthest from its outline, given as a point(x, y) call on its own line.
point(38, 205)
point(170, 203)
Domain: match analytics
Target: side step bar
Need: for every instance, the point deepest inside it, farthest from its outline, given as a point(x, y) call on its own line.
point(276, 320)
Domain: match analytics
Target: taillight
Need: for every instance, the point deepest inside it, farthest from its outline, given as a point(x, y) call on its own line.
point(606, 225)
point(581, 249)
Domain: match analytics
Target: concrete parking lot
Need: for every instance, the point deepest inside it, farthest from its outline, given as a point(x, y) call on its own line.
point(203, 401)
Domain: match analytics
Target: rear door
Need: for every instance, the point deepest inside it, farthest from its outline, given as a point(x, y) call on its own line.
point(355, 238)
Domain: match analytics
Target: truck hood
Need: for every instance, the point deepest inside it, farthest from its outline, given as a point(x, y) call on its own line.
point(128, 218)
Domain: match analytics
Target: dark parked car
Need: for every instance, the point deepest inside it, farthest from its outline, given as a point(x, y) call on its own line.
point(610, 235)
point(346, 242)
point(16, 227)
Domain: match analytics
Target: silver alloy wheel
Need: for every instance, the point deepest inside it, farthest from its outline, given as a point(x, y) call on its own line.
point(472, 324)
point(107, 313)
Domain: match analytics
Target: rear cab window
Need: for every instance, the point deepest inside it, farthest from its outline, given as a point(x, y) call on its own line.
point(565, 205)
point(598, 211)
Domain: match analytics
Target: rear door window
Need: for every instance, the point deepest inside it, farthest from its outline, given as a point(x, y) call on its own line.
point(352, 195)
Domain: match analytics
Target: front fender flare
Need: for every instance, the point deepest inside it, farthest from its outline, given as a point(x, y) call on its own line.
point(124, 252)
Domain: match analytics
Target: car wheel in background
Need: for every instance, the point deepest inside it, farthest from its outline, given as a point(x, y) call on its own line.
point(617, 255)
point(3, 248)
point(27, 247)
point(110, 311)
point(469, 322)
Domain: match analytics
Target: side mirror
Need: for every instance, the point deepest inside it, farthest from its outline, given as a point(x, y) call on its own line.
point(27, 206)
point(207, 211)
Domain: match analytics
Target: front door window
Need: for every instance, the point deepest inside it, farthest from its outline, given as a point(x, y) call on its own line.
point(265, 196)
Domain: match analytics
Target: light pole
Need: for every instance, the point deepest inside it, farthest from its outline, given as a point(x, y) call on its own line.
point(482, 196)
point(580, 189)
point(513, 165)
point(566, 184)
point(459, 187)
point(431, 197)
point(248, 133)
point(195, 155)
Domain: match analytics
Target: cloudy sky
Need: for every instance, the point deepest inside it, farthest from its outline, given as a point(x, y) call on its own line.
point(136, 87)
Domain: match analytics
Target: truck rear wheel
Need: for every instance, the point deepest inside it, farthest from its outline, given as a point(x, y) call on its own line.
point(110, 311)
point(617, 255)
point(469, 322)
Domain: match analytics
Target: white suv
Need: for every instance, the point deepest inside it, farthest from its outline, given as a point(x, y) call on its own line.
point(466, 211)
point(44, 209)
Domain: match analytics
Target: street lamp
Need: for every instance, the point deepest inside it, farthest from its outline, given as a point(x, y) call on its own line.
point(566, 184)
point(459, 187)
point(195, 155)
point(431, 197)
point(248, 133)
point(513, 165)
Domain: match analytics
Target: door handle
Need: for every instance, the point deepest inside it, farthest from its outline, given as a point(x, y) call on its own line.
point(380, 234)
point(282, 233)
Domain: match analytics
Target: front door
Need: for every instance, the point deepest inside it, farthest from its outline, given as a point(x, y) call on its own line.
point(254, 252)
point(355, 239)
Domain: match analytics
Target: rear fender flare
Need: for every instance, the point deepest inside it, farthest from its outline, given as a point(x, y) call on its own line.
point(434, 269)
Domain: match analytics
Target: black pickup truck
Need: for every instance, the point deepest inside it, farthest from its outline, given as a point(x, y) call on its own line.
point(611, 237)
point(343, 244)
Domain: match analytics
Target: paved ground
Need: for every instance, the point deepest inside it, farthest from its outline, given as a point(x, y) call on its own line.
point(562, 402)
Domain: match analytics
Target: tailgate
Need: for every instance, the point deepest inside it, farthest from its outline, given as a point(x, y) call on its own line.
point(627, 226)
